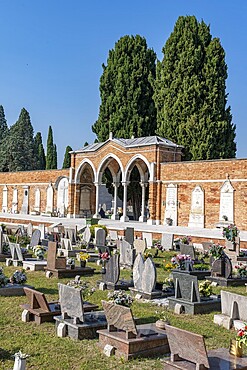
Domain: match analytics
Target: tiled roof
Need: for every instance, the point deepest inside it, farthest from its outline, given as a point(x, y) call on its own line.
point(129, 143)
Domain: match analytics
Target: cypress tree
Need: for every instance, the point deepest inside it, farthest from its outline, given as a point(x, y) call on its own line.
point(66, 161)
point(3, 135)
point(3, 124)
point(39, 152)
point(49, 150)
point(126, 91)
point(190, 93)
point(54, 158)
point(20, 145)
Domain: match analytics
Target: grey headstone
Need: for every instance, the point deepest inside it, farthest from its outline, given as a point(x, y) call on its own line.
point(167, 241)
point(149, 239)
point(100, 237)
point(140, 246)
point(1, 241)
point(148, 276)
point(127, 254)
point(29, 229)
point(87, 235)
point(35, 240)
point(112, 270)
point(188, 250)
point(144, 274)
point(234, 305)
point(222, 267)
point(138, 269)
point(113, 235)
point(41, 227)
point(186, 287)
point(66, 244)
point(19, 253)
point(71, 302)
point(14, 253)
point(129, 235)
point(71, 234)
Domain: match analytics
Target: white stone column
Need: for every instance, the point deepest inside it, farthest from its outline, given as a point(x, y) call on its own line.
point(97, 215)
point(124, 218)
point(143, 218)
point(115, 216)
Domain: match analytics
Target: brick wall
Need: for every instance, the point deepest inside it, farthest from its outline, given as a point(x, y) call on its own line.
point(210, 175)
point(34, 179)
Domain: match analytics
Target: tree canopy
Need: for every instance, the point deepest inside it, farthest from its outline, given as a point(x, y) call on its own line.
point(127, 107)
point(190, 93)
point(66, 160)
point(39, 152)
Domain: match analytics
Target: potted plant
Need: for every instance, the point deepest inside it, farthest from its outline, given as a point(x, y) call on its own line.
point(3, 279)
point(71, 263)
point(39, 252)
point(186, 239)
point(18, 277)
point(205, 289)
point(216, 251)
point(83, 257)
point(103, 257)
point(241, 270)
point(236, 344)
point(163, 321)
point(230, 232)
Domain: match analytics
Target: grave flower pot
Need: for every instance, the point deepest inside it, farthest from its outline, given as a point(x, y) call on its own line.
point(83, 263)
point(236, 348)
point(71, 267)
point(103, 270)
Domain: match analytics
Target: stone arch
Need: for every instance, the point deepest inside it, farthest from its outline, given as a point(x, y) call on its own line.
point(137, 161)
point(80, 168)
point(106, 162)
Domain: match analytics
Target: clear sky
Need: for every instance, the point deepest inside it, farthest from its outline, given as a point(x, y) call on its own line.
point(51, 55)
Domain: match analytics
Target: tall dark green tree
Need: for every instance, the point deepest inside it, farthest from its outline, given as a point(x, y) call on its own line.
point(66, 160)
point(3, 124)
point(19, 145)
point(54, 158)
point(126, 91)
point(39, 152)
point(49, 149)
point(190, 93)
point(3, 134)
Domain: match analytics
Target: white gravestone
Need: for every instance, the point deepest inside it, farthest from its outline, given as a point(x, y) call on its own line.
point(226, 202)
point(5, 199)
point(49, 199)
point(25, 201)
point(37, 201)
point(197, 208)
point(171, 211)
point(62, 196)
point(149, 239)
point(15, 201)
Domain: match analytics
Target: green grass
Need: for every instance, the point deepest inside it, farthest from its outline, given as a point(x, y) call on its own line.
point(47, 351)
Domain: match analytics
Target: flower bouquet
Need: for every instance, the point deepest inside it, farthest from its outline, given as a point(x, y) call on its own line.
point(120, 297)
point(39, 252)
point(186, 239)
point(216, 250)
point(18, 277)
point(230, 232)
point(241, 270)
point(3, 279)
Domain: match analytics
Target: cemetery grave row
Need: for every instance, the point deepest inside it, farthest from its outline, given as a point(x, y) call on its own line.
point(117, 329)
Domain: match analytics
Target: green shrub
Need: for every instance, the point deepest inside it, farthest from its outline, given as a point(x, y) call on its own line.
point(92, 229)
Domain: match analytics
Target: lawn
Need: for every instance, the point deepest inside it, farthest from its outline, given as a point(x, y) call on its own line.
point(46, 350)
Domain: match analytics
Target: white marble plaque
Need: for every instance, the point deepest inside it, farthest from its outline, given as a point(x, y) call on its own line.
point(37, 201)
point(62, 196)
point(15, 201)
point(5, 199)
point(197, 208)
point(25, 201)
point(49, 199)
point(171, 210)
point(226, 202)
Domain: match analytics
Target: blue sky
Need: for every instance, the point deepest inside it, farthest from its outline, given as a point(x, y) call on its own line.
point(52, 53)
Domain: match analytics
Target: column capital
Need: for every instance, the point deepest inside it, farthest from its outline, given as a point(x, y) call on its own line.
point(125, 183)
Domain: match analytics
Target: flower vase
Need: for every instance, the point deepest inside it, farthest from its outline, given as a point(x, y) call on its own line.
point(72, 267)
point(236, 348)
point(83, 263)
